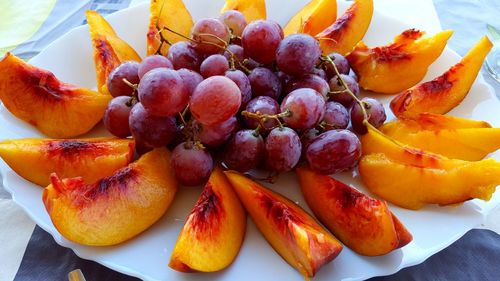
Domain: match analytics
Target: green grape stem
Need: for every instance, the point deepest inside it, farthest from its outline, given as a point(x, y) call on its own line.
point(262, 118)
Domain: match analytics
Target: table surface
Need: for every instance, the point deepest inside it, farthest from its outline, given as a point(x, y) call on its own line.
point(473, 257)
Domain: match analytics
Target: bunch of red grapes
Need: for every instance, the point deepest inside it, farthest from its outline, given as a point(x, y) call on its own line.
point(243, 94)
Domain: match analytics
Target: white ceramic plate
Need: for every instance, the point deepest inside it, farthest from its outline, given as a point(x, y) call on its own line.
point(146, 256)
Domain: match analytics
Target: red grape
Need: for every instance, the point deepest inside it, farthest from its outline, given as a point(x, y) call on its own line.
point(334, 151)
point(152, 62)
point(190, 78)
point(264, 105)
point(116, 116)
point(264, 82)
point(162, 92)
point(127, 70)
point(260, 39)
point(336, 116)
point(211, 36)
point(341, 63)
point(243, 83)
point(215, 100)
point(245, 151)
point(297, 54)
point(183, 55)
point(236, 51)
point(283, 149)
point(306, 107)
point(151, 130)
point(375, 111)
point(191, 164)
point(307, 138)
point(217, 134)
point(344, 98)
point(320, 72)
point(235, 20)
point(214, 65)
point(308, 81)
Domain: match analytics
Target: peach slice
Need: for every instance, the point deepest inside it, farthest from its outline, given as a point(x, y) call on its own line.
point(313, 18)
point(214, 230)
point(431, 122)
point(55, 108)
point(347, 30)
point(428, 178)
point(293, 233)
point(395, 67)
point(167, 13)
point(92, 159)
point(109, 49)
point(458, 143)
point(446, 91)
point(364, 224)
point(252, 9)
point(115, 208)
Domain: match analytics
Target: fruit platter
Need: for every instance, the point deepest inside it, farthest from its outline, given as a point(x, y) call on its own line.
point(246, 140)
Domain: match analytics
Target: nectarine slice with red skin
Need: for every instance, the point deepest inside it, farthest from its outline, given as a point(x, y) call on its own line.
point(293, 233)
point(428, 178)
point(36, 96)
point(312, 18)
point(395, 67)
point(427, 185)
point(431, 122)
point(91, 159)
point(348, 29)
point(364, 224)
point(446, 91)
point(109, 49)
point(115, 208)
point(172, 14)
point(251, 9)
point(470, 144)
point(214, 230)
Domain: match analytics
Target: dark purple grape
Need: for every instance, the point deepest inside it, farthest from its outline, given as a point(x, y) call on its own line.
point(306, 107)
point(264, 105)
point(237, 51)
point(250, 64)
point(334, 151)
point(215, 100)
point(244, 151)
point(307, 138)
point(308, 81)
point(265, 83)
point(116, 116)
point(214, 65)
point(283, 149)
point(341, 63)
point(243, 83)
point(162, 92)
point(284, 78)
point(336, 116)
point(353, 75)
point(217, 134)
point(260, 39)
point(151, 130)
point(191, 164)
point(297, 54)
point(141, 148)
point(320, 72)
point(235, 20)
point(152, 62)
point(183, 55)
point(127, 70)
point(211, 36)
point(190, 78)
point(344, 98)
point(375, 111)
